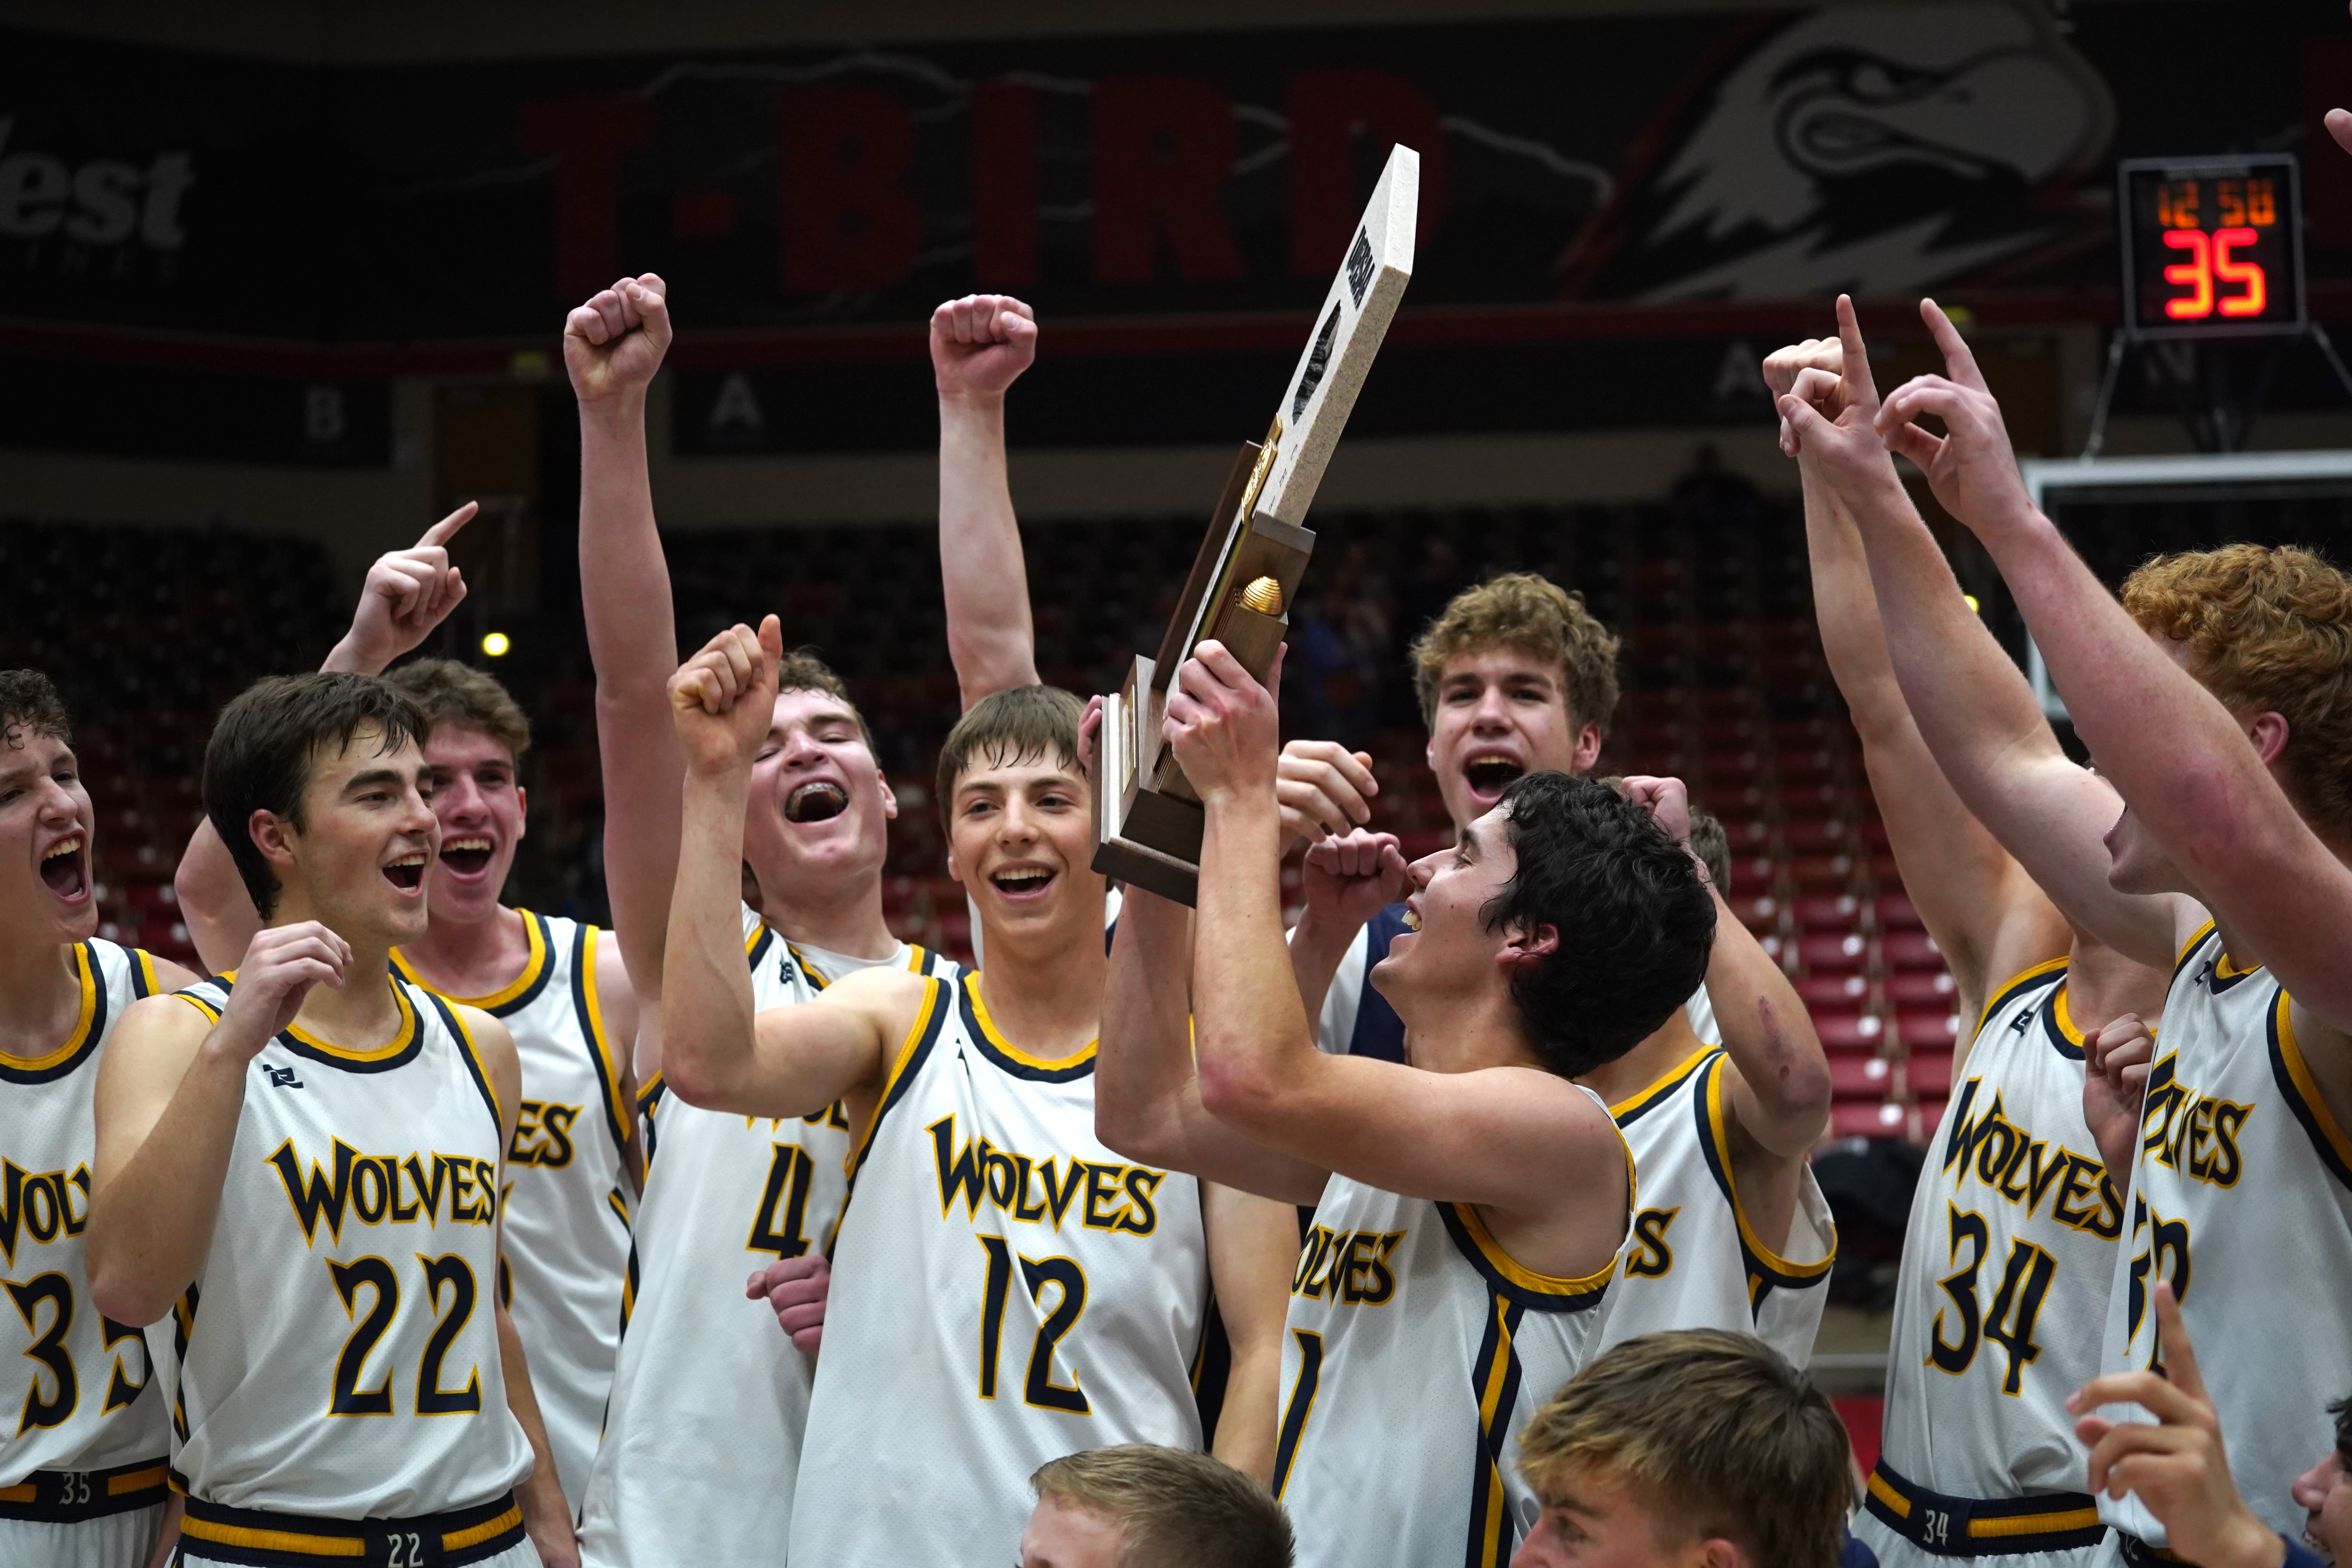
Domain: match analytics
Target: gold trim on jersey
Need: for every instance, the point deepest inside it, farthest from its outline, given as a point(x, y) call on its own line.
point(86, 972)
point(1642, 1099)
point(2063, 1019)
point(401, 1039)
point(534, 965)
point(997, 1041)
point(2005, 991)
point(1793, 1275)
point(144, 982)
point(591, 1008)
point(1472, 1228)
point(481, 1069)
point(2313, 1110)
point(2224, 969)
point(925, 1027)
point(1998, 1527)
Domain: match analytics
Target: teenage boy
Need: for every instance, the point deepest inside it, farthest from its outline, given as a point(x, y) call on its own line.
point(1471, 1200)
point(2217, 701)
point(1003, 1283)
point(300, 1164)
point(2001, 1300)
point(83, 1481)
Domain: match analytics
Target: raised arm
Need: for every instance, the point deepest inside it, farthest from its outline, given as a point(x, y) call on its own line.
point(1513, 1138)
point(979, 345)
point(1973, 707)
point(1985, 914)
point(407, 594)
point(612, 347)
point(1146, 1091)
point(715, 1053)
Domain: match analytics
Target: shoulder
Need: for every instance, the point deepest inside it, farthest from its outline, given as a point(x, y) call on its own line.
point(157, 1035)
point(885, 991)
point(171, 976)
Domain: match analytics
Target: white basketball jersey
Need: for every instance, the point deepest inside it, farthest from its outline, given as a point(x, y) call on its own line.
point(566, 1237)
point(703, 1435)
point(338, 1354)
point(2012, 1241)
point(1007, 1290)
point(74, 1391)
point(1416, 1350)
point(1691, 1259)
point(2243, 1198)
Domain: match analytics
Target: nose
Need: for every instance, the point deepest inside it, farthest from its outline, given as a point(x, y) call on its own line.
point(799, 750)
point(459, 800)
point(1017, 824)
point(58, 808)
point(1422, 872)
point(2310, 1488)
point(1492, 711)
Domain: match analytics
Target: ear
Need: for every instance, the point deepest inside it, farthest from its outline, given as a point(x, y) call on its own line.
point(2268, 732)
point(275, 837)
point(1522, 944)
point(522, 813)
point(1715, 1553)
point(889, 798)
point(955, 867)
point(1587, 748)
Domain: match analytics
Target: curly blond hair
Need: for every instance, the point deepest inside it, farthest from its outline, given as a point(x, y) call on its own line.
point(2269, 630)
point(1528, 614)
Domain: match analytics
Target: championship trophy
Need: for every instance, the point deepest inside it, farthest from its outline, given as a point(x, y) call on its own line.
point(1148, 818)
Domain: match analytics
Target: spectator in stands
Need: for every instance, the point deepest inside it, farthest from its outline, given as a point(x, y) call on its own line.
point(2179, 1470)
point(1697, 1447)
point(1142, 1505)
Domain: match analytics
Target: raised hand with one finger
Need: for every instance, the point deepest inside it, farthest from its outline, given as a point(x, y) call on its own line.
point(1829, 406)
point(407, 594)
point(723, 700)
point(1972, 467)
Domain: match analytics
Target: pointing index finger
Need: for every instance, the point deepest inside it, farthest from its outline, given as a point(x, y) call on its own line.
point(441, 531)
point(1856, 367)
point(1959, 364)
point(2172, 1338)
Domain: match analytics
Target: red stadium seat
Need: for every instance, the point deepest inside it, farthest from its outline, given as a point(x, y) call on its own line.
point(1758, 914)
point(1825, 952)
point(1861, 1078)
point(1916, 988)
point(1861, 1119)
point(1912, 950)
point(1818, 991)
point(1823, 872)
point(1829, 912)
point(1925, 1030)
point(1929, 1074)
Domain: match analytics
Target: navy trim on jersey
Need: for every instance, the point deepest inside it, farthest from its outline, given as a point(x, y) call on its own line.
point(2047, 1014)
point(2207, 932)
point(608, 1078)
point(463, 1043)
point(978, 1036)
point(93, 976)
point(1301, 1405)
point(905, 1080)
point(1764, 1275)
point(2037, 975)
point(1656, 1094)
point(1379, 1033)
point(530, 994)
point(1502, 1284)
point(2322, 1145)
point(1495, 1377)
point(143, 968)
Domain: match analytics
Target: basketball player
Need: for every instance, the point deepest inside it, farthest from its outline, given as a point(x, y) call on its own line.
point(1702, 1448)
point(83, 1481)
point(2000, 1300)
point(305, 1178)
point(1004, 1284)
point(1471, 1200)
point(2217, 701)
point(1734, 1232)
point(708, 1399)
point(558, 985)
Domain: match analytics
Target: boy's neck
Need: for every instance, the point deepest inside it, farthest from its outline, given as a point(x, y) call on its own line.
point(471, 958)
point(1667, 1047)
point(360, 1012)
point(847, 920)
point(2101, 985)
point(40, 997)
point(1044, 989)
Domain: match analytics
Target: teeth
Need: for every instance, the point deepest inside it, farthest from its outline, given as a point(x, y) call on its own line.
point(1411, 921)
point(818, 800)
point(70, 847)
point(417, 860)
point(1021, 878)
point(463, 844)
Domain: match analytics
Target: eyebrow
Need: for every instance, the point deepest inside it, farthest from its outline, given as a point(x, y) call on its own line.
point(373, 777)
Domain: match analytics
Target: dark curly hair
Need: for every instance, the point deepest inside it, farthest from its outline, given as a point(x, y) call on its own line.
point(29, 703)
point(1635, 922)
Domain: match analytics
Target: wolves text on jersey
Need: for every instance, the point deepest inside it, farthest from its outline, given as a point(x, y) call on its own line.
point(1348, 1266)
point(374, 1188)
point(1104, 1196)
point(2023, 1169)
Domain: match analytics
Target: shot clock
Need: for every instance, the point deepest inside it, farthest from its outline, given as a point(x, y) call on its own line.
point(2212, 247)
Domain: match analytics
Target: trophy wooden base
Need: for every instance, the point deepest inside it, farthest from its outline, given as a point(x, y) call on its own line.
point(1145, 837)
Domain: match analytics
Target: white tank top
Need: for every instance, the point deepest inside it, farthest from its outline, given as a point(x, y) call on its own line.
point(702, 1437)
point(1007, 1290)
point(1415, 1350)
point(338, 1354)
point(74, 1392)
point(1691, 1260)
point(566, 1237)
point(2243, 1198)
point(2010, 1244)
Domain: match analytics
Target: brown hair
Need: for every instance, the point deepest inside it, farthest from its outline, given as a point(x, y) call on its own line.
point(1712, 845)
point(1174, 1508)
point(1719, 1437)
point(28, 702)
point(259, 756)
point(460, 696)
point(801, 670)
point(2269, 630)
point(1530, 614)
point(1006, 726)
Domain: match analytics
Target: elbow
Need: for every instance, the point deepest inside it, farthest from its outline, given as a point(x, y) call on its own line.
point(691, 1076)
point(119, 1295)
point(1236, 1093)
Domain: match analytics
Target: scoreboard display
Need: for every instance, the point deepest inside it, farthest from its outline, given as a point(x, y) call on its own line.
point(2211, 246)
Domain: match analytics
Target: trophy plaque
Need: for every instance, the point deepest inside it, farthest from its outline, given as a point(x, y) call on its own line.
point(1147, 819)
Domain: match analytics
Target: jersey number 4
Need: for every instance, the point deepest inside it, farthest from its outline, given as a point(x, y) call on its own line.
point(1038, 1274)
point(2015, 1305)
point(451, 1276)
